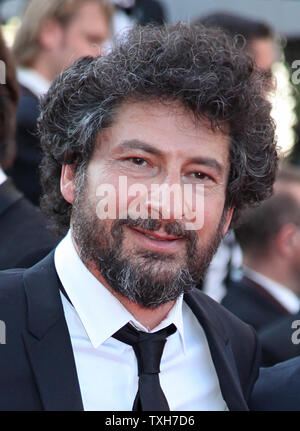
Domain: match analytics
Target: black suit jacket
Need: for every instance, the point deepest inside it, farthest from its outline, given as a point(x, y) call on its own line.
point(252, 303)
point(277, 388)
point(276, 340)
point(24, 238)
point(37, 367)
point(25, 171)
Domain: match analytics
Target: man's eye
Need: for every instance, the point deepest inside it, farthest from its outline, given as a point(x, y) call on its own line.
point(200, 176)
point(138, 161)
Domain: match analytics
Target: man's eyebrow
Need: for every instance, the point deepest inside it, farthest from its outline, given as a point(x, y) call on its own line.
point(140, 145)
point(212, 163)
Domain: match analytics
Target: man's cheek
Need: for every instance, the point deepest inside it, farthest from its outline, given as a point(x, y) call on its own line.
point(106, 207)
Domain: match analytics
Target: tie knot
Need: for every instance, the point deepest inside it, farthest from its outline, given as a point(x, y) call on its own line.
point(148, 347)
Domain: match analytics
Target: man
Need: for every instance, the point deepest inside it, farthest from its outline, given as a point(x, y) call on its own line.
point(53, 34)
point(276, 337)
point(24, 237)
point(269, 238)
point(169, 106)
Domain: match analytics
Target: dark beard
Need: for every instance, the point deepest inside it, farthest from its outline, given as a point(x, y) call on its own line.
point(143, 277)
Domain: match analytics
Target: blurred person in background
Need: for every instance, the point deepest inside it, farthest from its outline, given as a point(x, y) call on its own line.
point(269, 236)
point(257, 38)
point(277, 388)
point(24, 238)
point(280, 339)
point(53, 34)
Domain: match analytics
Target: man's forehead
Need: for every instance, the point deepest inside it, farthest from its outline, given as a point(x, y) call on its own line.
point(88, 14)
point(165, 126)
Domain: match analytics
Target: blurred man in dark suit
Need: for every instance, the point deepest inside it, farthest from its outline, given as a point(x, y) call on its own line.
point(279, 340)
point(270, 239)
point(53, 34)
point(23, 236)
point(277, 388)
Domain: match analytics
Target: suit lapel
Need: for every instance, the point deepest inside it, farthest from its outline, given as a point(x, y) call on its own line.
point(221, 352)
point(47, 340)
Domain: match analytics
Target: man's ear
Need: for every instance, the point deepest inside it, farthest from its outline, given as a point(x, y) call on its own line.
point(228, 217)
point(286, 240)
point(51, 34)
point(67, 186)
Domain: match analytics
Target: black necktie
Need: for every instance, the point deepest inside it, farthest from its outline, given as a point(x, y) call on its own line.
point(148, 348)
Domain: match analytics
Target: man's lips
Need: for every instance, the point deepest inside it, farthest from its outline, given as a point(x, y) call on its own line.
point(157, 241)
point(162, 236)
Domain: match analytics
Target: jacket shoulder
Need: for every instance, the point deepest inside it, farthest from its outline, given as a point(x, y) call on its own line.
point(12, 295)
point(277, 387)
point(10, 281)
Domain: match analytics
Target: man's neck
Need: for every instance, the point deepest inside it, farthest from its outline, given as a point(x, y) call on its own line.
point(44, 69)
point(275, 271)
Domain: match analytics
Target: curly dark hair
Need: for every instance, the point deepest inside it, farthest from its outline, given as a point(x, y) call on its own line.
point(201, 68)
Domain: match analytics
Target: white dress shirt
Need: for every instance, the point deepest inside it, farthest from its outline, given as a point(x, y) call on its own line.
point(288, 299)
point(107, 368)
point(32, 80)
point(229, 257)
point(3, 176)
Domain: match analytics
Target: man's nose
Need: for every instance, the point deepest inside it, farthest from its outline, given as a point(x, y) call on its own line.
point(166, 199)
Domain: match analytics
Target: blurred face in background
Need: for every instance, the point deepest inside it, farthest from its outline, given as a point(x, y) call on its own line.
point(83, 36)
point(263, 50)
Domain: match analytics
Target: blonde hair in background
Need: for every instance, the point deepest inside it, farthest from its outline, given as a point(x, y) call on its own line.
point(26, 47)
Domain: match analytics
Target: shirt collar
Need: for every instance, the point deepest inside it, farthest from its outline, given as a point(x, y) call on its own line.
point(3, 176)
point(282, 294)
point(32, 80)
point(100, 312)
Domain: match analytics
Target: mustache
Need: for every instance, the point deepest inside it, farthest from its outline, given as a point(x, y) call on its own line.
point(172, 228)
